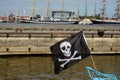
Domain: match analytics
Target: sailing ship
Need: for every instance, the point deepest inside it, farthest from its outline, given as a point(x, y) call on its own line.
point(54, 20)
point(97, 21)
point(103, 20)
point(61, 18)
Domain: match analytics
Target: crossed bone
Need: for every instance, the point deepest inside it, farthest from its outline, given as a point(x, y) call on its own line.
point(68, 60)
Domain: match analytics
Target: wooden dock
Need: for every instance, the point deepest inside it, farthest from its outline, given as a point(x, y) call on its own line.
point(38, 41)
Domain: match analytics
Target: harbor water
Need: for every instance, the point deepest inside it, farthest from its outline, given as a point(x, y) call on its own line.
point(22, 25)
point(41, 67)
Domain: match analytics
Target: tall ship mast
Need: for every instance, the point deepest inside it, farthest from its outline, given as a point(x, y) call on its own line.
point(33, 9)
point(95, 10)
point(103, 9)
point(86, 9)
point(62, 14)
point(118, 10)
point(48, 8)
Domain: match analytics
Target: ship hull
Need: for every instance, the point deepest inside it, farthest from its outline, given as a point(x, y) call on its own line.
point(49, 22)
point(105, 22)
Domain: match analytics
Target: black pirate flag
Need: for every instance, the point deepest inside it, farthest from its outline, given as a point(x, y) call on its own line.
point(69, 51)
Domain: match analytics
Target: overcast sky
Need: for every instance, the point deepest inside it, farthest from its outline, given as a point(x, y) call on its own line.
point(12, 6)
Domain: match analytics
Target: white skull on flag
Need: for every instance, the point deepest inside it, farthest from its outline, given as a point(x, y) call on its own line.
point(65, 48)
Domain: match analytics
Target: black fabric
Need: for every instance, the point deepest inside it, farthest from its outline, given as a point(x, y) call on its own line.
point(78, 43)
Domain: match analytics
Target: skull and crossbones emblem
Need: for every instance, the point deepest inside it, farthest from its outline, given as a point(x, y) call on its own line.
point(66, 50)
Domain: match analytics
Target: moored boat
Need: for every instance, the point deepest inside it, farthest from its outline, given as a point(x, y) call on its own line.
point(62, 19)
point(49, 22)
point(103, 20)
point(95, 21)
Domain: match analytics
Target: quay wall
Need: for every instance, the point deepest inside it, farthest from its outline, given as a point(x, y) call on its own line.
point(38, 42)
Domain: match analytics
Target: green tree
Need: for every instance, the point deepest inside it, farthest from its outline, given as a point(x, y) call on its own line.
point(11, 17)
point(37, 16)
point(97, 16)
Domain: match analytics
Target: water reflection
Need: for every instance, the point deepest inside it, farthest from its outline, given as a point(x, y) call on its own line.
point(41, 68)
